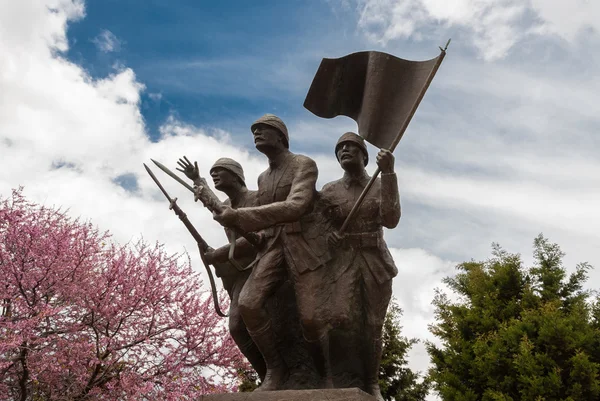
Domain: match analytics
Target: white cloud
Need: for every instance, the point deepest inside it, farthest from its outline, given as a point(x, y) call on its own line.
point(107, 42)
point(419, 274)
point(55, 114)
point(493, 26)
point(50, 21)
point(567, 18)
point(155, 96)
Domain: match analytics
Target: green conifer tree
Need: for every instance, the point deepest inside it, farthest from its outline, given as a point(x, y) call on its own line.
point(512, 333)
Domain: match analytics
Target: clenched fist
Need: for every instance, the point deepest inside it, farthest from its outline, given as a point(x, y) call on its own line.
point(385, 161)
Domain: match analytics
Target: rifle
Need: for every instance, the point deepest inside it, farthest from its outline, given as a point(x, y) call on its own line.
point(202, 245)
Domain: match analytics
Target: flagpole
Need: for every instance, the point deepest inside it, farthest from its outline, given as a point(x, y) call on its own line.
point(413, 110)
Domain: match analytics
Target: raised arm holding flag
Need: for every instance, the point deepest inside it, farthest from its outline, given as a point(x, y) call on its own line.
point(378, 91)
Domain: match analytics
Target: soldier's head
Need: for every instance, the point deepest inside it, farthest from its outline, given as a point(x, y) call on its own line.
point(270, 133)
point(227, 175)
point(351, 151)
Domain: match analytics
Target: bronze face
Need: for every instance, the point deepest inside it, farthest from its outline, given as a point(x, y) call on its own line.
point(223, 178)
point(350, 156)
point(266, 137)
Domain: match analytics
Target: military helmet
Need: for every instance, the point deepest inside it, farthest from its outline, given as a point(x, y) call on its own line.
point(275, 122)
point(355, 139)
point(230, 165)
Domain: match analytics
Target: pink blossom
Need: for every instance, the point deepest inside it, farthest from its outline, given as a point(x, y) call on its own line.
point(85, 318)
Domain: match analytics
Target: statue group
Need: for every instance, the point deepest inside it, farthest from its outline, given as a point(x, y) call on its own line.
point(309, 288)
point(308, 272)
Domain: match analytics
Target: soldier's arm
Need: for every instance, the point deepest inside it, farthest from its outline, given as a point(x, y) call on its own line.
point(296, 204)
point(242, 249)
point(389, 208)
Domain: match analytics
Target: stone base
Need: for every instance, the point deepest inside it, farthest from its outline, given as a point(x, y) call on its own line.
point(338, 394)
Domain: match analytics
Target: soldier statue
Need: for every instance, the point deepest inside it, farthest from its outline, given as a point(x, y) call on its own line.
point(286, 193)
point(362, 267)
point(228, 177)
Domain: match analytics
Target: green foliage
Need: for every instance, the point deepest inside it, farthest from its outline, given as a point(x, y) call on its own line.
point(516, 333)
point(397, 381)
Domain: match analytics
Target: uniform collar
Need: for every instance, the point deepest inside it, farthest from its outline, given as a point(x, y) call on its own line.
point(279, 159)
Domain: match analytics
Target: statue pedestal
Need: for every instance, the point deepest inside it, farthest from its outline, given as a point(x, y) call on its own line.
point(338, 394)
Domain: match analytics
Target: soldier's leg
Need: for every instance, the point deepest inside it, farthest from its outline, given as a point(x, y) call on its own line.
point(266, 276)
point(238, 329)
point(344, 317)
point(313, 295)
point(376, 300)
point(263, 281)
point(345, 307)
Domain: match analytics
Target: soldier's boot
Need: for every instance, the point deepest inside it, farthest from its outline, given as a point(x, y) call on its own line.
point(372, 367)
point(251, 352)
point(319, 350)
point(277, 371)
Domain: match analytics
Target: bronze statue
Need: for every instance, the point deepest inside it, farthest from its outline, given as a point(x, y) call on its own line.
point(362, 267)
point(309, 273)
point(286, 192)
point(228, 177)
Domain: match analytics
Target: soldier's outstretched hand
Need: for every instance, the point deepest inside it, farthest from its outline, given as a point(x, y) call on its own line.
point(385, 161)
point(227, 217)
point(190, 170)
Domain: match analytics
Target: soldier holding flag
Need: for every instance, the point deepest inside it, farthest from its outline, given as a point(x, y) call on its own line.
point(362, 267)
point(381, 93)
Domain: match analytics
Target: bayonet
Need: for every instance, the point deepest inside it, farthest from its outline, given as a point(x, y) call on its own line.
point(173, 175)
point(202, 191)
point(210, 200)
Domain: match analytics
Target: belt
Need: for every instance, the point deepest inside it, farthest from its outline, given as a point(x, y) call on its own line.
point(294, 227)
point(363, 240)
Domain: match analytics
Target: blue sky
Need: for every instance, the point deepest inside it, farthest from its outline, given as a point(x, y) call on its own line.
point(503, 146)
point(214, 61)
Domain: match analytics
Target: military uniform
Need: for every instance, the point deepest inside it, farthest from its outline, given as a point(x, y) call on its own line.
point(363, 257)
point(233, 280)
point(362, 267)
point(286, 192)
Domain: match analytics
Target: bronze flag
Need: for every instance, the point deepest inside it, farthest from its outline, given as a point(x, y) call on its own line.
point(377, 90)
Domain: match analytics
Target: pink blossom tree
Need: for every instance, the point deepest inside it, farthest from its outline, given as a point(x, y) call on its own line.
point(83, 318)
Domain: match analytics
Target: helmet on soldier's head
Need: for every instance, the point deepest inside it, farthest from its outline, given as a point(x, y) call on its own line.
point(355, 139)
point(231, 166)
point(275, 122)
